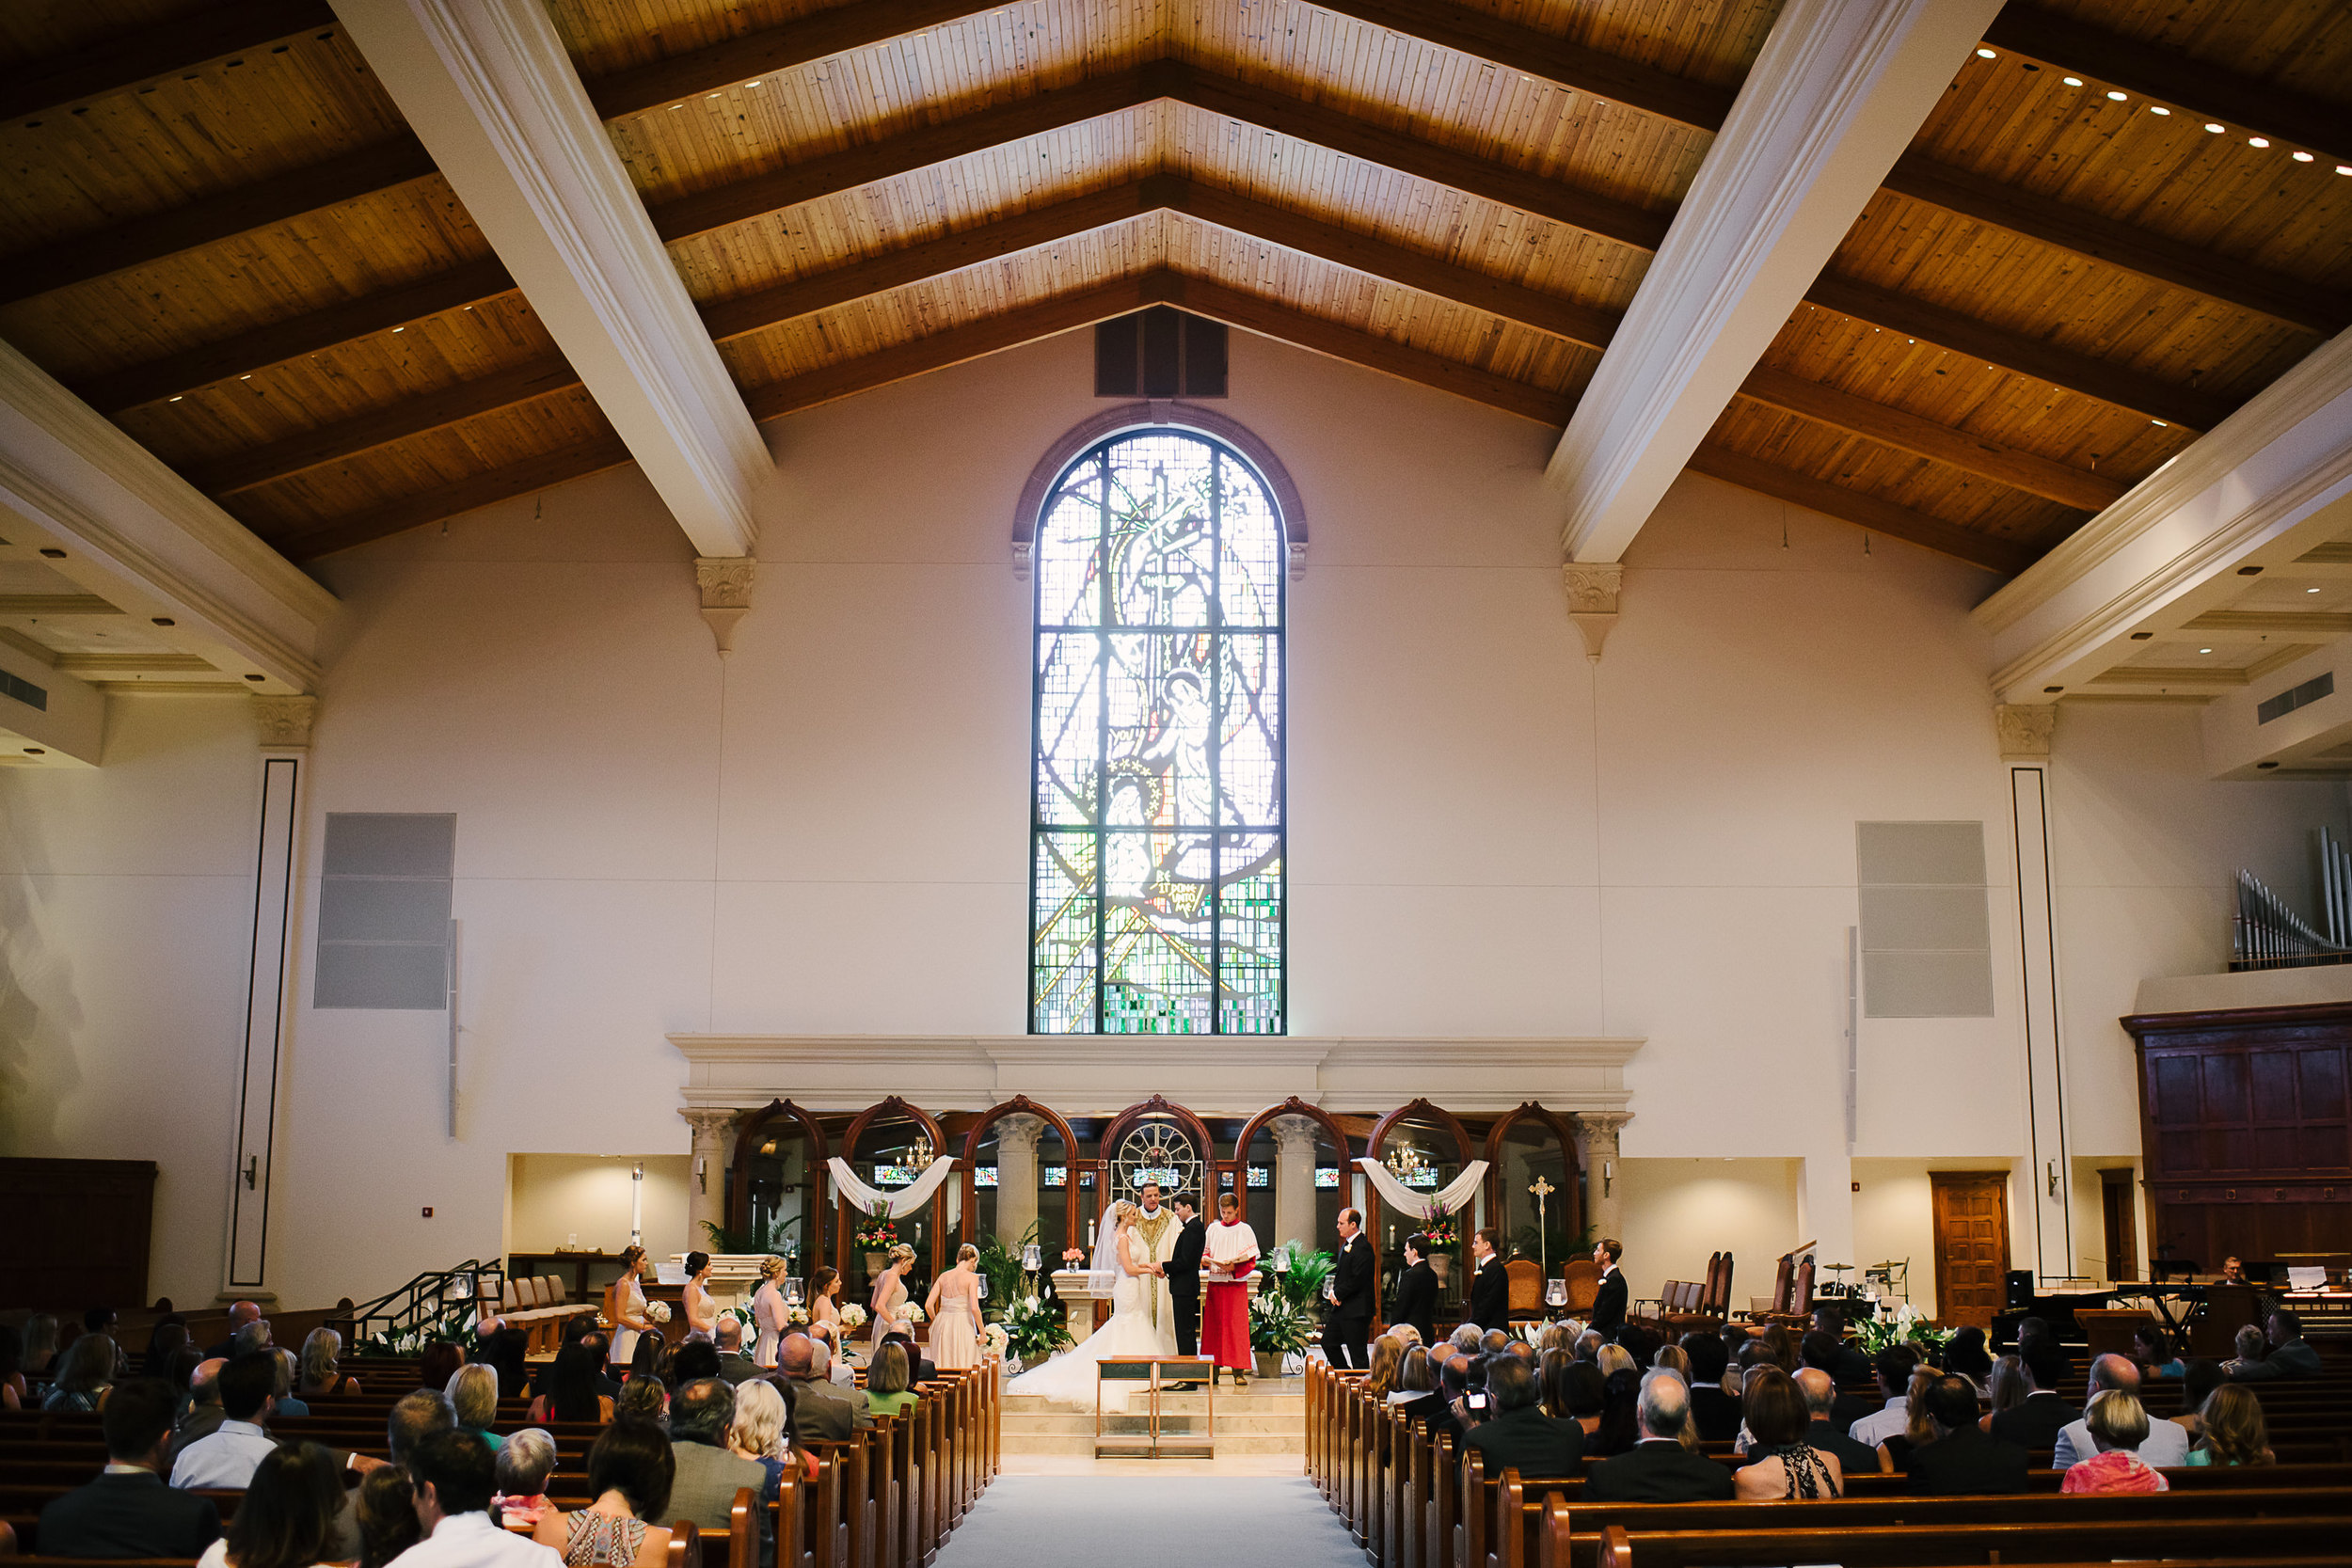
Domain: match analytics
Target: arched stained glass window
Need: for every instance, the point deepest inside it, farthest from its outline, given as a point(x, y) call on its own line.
point(1157, 898)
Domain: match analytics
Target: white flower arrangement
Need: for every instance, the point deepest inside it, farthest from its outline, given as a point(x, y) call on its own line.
point(657, 1311)
point(995, 1339)
point(914, 1313)
point(797, 1316)
point(852, 1315)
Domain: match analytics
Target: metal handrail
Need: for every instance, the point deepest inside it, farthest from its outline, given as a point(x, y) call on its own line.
point(432, 1300)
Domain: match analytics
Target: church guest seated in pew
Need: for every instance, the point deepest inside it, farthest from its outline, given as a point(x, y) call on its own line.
point(1714, 1413)
point(287, 1516)
point(2117, 1424)
point(128, 1511)
point(1516, 1435)
point(227, 1457)
point(1892, 1368)
point(2035, 1416)
point(821, 1409)
point(453, 1477)
point(2036, 1344)
point(708, 1476)
point(572, 1392)
point(322, 1376)
point(1658, 1468)
point(631, 1470)
point(1821, 1429)
point(1961, 1457)
point(2165, 1444)
point(1786, 1465)
point(383, 1510)
point(2233, 1431)
point(1841, 1363)
point(2203, 1376)
point(523, 1467)
point(2288, 1356)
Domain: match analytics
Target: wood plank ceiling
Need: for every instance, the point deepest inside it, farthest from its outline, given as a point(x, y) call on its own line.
point(2124, 218)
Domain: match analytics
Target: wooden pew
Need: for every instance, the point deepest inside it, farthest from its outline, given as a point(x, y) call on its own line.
point(1904, 1545)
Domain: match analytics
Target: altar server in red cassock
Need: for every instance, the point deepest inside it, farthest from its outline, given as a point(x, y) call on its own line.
point(1227, 1258)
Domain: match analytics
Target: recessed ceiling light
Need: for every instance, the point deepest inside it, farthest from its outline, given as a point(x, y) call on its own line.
point(2204, 650)
point(2301, 158)
point(248, 376)
point(2117, 96)
point(2159, 424)
point(2159, 109)
point(2215, 129)
point(2073, 81)
point(2258, 141)
point(714, 95)
point(754, 84)
point(2343, 169)
point(175, 397)
point(2311, 590)
point(1987, 54)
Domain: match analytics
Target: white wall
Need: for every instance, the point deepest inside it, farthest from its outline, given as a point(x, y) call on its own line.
point(826, 832)
point(1679, 1212)
point(553, 1198)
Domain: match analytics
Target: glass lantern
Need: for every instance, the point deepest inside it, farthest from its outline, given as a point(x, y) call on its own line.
point(793, 1289)
point(1031, 1258)
point(981, 1286)
point(1556, 1293)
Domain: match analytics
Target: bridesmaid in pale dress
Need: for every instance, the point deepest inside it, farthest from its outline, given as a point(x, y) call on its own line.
point(824, 1307)
point(702, 1307)
point(886, 1313)
point(768, 1311)
point(629, 1323)
point(954, 1308)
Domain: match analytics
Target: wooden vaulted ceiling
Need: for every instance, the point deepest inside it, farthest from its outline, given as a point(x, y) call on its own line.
point(2124, 218)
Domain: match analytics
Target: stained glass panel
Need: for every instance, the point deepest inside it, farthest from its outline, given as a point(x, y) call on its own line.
point(1159, 567)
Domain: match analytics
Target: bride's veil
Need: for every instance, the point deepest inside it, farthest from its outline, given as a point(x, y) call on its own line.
point(1102, 1271)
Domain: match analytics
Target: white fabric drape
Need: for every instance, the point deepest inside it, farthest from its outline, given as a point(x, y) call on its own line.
point(897, 1205)
point(1423, 1207)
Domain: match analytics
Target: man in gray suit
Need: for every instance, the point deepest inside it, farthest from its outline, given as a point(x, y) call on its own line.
point(2290, 1356)
point(2166, 1444)
point(820, 1407)
point(700, 1415)
point(735, 1367)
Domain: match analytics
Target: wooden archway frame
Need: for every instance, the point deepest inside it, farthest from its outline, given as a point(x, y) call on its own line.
point(892, 1106)
point(1294, 1107)
point(1380, 1131)
point(1020, 1104)
point(1527, 1110)
point(739, 1199)
point(1156, 1105)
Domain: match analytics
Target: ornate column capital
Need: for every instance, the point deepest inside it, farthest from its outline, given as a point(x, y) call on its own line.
point(1292, 1135)
point(710, 1126)
point(1019, 1131)
point(1592, 588)
point(1599, 1130)
point(725, 581)
point(284, 721)
point(2024, 730)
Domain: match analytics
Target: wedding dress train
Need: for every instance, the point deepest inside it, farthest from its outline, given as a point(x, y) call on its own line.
point(1070, 1375)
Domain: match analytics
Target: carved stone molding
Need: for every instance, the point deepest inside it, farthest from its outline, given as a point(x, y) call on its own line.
point(2024, 730)
point(726, 582)
point(1593, 600)
point(284, 721)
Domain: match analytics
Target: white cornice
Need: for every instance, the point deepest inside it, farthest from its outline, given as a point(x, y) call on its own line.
point(488, 87)
point(1216, 1075)
point(2236, 491)
point(144, 538)
point(1838, 91)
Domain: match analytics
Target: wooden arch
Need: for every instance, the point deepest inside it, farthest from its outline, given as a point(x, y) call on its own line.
point(1019, 1104)
point(1156, 1105)
point(1529, 1109)
point(1380, 1131)
point(747, 1124)
point(1294, 1107)
point(892, 1106)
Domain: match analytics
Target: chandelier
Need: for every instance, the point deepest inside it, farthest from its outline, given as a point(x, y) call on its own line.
point(919, 1152)
point(1405, 1162)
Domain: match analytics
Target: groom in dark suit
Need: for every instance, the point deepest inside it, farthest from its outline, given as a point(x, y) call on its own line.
point(1355, 1278)
point(1609, 1303)
point(1183, 1275)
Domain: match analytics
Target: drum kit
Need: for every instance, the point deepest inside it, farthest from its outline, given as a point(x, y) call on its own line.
point(1882, 1282)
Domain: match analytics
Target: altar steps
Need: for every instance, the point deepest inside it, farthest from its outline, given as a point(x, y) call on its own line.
point(1271, 1419)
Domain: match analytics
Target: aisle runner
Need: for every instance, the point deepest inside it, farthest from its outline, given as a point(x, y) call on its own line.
point(1149, 1522)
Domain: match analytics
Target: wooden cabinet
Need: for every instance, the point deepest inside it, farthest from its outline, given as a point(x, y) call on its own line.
point(2246, 1128)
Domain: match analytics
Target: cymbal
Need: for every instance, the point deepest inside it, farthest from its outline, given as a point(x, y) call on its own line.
point(1838, 1268)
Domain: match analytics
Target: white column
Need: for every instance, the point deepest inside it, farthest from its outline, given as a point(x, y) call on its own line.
point(1825, 1212)
point(1597, 1150)
point(1293, 1181)
point(706, 1174)
point(2025, 734)
point(1016, 1177)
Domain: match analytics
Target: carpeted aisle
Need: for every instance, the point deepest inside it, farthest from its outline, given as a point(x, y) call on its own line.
point(1149, 1522)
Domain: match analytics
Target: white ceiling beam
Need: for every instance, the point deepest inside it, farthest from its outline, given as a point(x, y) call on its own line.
point(103, 510)
point(488, 89)
point(1836, 95)
point(2268, 484)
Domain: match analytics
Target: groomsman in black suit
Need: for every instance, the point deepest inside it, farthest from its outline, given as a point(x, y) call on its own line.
point(1490, 1286)
point(1354, 1290)
point(1417, 1291)
point(1184, 1273)
point(1610, 1303)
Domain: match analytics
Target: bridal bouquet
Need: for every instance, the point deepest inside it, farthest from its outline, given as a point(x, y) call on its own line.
point(913, 1313)
point(853, 1316)
point(995, 1341)
point(797, 1316)
point(657, 1311)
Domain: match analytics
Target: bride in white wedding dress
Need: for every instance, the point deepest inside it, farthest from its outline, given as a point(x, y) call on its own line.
point(1119, 1262)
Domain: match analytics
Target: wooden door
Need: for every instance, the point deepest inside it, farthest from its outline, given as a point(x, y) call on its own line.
point(1971, 1245)
point(2123, 1235)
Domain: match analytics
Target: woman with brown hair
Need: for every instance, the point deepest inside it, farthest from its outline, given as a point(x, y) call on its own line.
point(630, 1470)
point(2007, 1388)
point(1786, 1465)
point(824, 1306)
point(1386, 1354)
point(2234, 1431)
point(387, 1512)
point(1918, 1428)
point(286, 1518)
